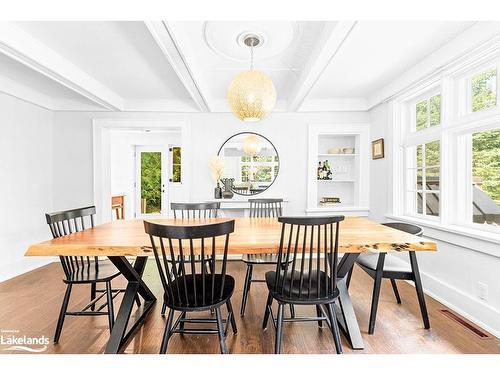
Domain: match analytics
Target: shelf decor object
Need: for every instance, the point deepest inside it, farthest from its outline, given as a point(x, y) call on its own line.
point(251, 94)
point(378, 149)
point(338, 169)
point(217, 167)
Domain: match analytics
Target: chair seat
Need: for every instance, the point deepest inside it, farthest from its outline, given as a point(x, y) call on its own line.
point(261, 259)
point(293, 296)
point(391, 263)
point(105, 272)
point(196, 302)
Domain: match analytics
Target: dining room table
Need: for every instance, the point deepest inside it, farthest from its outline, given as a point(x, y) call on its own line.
point(121, 240)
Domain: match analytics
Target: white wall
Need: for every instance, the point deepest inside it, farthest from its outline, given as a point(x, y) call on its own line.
point(73, 178)
point(451, 274)
point(26, 187)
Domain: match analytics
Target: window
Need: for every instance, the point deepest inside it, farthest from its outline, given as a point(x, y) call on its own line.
point(176, 157)
point(423, 179)
point(447, 158)
point(258, 168)
point(484, 90)
point(486, 177)
point(428, 112)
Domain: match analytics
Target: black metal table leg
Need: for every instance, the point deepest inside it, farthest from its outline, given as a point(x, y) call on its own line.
point(136, 286)
point(346, 316)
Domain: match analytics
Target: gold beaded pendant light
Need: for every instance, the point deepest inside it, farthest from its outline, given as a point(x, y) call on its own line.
point(251, 94)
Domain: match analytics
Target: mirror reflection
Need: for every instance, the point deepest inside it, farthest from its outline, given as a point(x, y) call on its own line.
point(251, 161)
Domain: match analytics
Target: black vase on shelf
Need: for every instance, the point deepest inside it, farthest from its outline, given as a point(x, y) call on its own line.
point(228, 188)
point(218, 192)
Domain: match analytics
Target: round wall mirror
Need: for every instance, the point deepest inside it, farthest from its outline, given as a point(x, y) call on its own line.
point(251, 163)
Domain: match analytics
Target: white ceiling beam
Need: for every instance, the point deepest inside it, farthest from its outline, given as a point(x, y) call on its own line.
point(164, 37)
point(22, 92)
point(332, 38)
point(22, 47)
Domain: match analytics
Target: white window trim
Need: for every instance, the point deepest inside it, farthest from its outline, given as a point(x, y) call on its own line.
point(454, 134)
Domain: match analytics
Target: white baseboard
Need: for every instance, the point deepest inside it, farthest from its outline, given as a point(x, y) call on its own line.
point(11, 270)
point(481, 314)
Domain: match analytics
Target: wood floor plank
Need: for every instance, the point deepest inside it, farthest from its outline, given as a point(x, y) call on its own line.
point(30, 304)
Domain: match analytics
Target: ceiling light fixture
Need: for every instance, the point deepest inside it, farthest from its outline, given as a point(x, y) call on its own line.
point(251, 94)
point(252, 145)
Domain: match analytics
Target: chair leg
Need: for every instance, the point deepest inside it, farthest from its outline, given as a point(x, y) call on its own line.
point(376, 292)
point(279, 329)
point(181, 324)
point(292, 311)
point(335, 327)
point(246, 288)
point(419, 289)
point(93, 288)
point(111, 312)
point(250, 277)
point(231, 316)
point(266, 312)
point(396, 292)
point(166, 333)
point(220, 328)
point(62, 313)
point(163, 308)
point(319, 315)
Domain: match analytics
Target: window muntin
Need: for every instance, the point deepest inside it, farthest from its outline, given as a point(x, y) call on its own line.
point(483, 90)
point(428, 112)
point(486, 177)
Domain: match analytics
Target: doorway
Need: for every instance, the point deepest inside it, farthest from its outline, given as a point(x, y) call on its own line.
point(151, 181)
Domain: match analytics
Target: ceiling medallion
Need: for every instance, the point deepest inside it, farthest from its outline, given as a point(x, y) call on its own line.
point(251, 94)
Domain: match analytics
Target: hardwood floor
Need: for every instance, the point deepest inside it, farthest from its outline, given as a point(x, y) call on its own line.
point(30, 304)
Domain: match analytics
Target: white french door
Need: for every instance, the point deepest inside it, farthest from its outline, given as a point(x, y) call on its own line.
point(151, 181)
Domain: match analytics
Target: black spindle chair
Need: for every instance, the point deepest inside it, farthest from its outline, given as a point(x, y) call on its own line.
point(379, 267)
point(188, 211)
point(309, 248)
point(197, 290)
point(264, 207)
point(83, 270)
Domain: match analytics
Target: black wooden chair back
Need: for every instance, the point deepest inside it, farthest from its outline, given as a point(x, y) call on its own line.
point(307, 258)
point(63, 223)
point(266, 207)
point(175, 247)
point(408, 228)
point(206, 210)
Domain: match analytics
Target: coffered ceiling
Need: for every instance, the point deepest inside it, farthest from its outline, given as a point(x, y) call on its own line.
point(187, 66)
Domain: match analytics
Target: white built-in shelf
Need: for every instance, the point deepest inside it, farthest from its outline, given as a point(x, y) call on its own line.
point(336, 180)
point(349, 172)
point(335, 155)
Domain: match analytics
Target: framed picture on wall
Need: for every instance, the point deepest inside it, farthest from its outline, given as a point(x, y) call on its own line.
point(378, 149)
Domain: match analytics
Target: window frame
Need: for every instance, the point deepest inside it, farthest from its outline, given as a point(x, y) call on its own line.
point(457, 125)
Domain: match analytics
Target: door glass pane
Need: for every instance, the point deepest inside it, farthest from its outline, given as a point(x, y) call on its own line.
point(419, 179)
point(486, 177)
point(176, 164)
point(151, 190)
point(484, 90)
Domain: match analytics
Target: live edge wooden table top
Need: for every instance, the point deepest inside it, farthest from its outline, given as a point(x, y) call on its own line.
point(251, 235)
